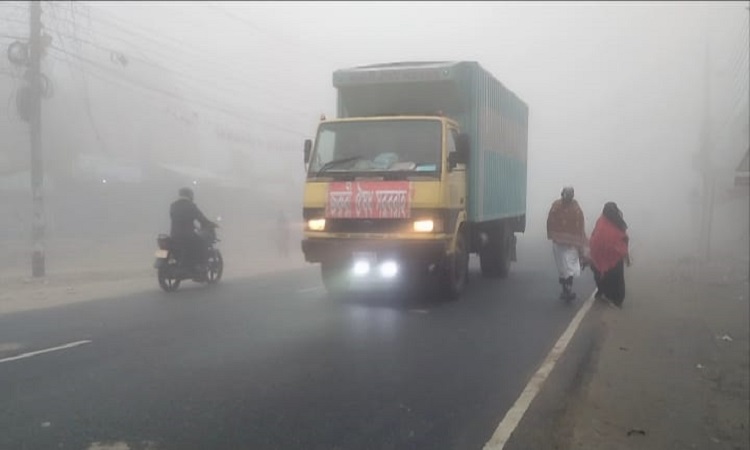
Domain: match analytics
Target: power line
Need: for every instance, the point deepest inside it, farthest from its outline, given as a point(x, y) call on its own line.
point(740, 75)
point(18, 8)
point(126, 41)
point(205, 104)
point(233, 93)
point(180, 46)
point(129, 85)
point(86, 96)
point(254, 26)
point(121, 83)
point(160, 47)
point(13, 36)
point(150, 33)
point(239, 80)
point(198, 82)
point(12, 20)
point(146, 33)
point(128, 31)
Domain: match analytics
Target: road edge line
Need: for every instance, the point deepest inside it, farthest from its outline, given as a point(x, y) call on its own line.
point(46, 350)
point(513, 417)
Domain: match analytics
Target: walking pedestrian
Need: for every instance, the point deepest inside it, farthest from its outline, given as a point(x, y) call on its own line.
point(609, 254)
point(565, 228)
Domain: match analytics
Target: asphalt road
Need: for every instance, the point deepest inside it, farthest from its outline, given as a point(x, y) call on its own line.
point(272, 363)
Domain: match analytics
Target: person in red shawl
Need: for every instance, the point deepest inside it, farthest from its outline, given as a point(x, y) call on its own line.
point(609, 253)
point(565, 228)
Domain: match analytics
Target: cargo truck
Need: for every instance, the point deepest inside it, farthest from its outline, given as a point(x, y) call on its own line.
point(424, 165)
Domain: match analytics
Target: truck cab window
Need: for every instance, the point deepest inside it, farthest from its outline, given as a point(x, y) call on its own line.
point(326, 143)
point(378, 145)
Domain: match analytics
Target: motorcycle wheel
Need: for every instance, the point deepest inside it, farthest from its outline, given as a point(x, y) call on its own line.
point(167, 283)
point(215, 267)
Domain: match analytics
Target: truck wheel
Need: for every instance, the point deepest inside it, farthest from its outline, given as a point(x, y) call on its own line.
point(504, 266)
point(455, 274)
point(334, 278)
point(494, 259)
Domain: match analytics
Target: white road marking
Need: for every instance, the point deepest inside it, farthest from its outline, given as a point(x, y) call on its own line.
point(516, 412)
point(40, 352)
point(310, 289)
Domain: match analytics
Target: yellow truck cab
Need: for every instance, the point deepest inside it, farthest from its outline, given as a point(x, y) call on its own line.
point(400, 188)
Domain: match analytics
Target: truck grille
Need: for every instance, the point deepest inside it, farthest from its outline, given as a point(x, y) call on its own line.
point(367, 225)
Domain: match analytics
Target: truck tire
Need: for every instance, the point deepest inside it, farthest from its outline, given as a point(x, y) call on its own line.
point(495, 258)
point(505, 258)
point(455, 275)
point(333, 276)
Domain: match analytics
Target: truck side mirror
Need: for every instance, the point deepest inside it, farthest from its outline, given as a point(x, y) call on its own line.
point(461, 155)
point(308, 149)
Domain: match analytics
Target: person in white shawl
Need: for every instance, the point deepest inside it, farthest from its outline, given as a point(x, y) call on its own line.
point(565, 228)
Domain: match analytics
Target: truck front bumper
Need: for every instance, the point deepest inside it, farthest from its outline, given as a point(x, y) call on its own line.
point(341, 250)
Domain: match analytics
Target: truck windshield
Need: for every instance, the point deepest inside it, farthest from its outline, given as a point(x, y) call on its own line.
point(378, 146)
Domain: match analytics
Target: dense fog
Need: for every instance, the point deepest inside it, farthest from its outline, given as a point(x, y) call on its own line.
point(147, 97)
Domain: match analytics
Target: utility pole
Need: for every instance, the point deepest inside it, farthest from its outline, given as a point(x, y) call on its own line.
point(35, 122)
point(704, 163)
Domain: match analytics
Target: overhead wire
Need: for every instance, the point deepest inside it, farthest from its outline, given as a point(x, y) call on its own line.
point(113, 76)
point(153, 35)
point(225, 75)
point(205, 104)
point(14, 13)
point(86, 94)
point(121, 83)
point(738, 72)
point(151, 88)
point(256, 27)
point(193, 82)
point(178, 46)
point(117, 79)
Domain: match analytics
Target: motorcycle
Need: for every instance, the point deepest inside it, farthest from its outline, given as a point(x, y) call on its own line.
point(172, 269)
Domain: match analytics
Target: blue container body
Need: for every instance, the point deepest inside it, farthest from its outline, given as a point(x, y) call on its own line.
point(495, 119)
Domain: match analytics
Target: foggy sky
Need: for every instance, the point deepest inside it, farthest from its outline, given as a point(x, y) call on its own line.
point(615, 90)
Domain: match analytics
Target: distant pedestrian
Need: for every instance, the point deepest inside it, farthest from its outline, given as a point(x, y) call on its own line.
point(565, 228)
point(609, 254)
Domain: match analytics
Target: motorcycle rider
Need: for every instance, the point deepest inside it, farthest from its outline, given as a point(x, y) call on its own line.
point(184, 213)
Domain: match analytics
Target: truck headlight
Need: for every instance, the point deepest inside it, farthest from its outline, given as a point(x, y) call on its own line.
point(389, 269)
point(424, 226)
point(361, 268)
point(316, 224)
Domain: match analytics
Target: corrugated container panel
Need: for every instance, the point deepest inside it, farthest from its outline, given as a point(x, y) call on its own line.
point(495, 119)
point(497, 187)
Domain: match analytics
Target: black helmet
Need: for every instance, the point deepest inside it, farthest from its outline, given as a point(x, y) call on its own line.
point(187, 193)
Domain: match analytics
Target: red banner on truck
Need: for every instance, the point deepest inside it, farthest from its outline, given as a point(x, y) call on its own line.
point(369, 200)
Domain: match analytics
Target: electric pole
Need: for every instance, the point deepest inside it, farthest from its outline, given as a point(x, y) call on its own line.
point(35, 122)
point(704, 163)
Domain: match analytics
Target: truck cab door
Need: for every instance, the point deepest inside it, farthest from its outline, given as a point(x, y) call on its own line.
point(456, 172)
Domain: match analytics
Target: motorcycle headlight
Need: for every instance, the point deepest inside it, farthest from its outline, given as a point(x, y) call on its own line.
point(316, 224)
